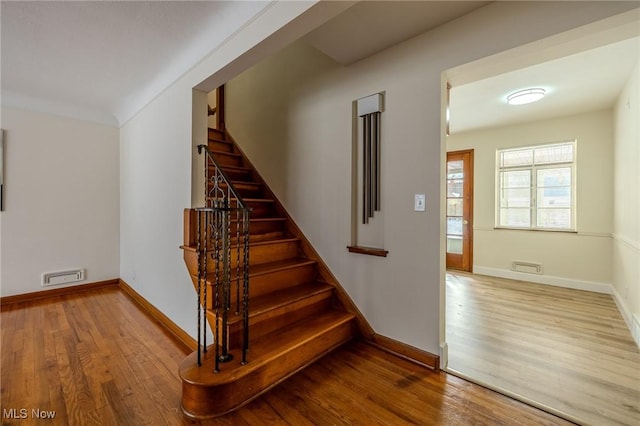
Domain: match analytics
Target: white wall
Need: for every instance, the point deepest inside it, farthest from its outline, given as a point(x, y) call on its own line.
point(302, 146)
point(62, 199)
point(583, 257)
point(155, 163)
point(626, 230)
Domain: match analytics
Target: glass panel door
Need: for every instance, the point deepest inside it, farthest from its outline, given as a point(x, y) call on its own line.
point(459, 212)
point(455, 205)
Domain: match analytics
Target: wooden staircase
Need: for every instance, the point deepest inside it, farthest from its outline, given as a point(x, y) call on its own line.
point(297, 310)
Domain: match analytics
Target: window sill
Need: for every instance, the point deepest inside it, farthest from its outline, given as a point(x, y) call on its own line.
point(505, 228)
point(368, 250)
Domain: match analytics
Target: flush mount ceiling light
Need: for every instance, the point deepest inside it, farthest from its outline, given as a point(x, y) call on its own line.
point(526, 96)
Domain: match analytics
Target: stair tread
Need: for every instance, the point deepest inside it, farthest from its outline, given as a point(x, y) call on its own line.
point(237, 168)
point(265, 236)
point(219, 139)
point(254, 200)
point(266, 239)
point(233, 154)
point(245, 182)
point(264, 219)
point(280, 298)
point(261, 242)
point(240, 172)
point(264, 350)
point(259, 200)
point(265, 268)
point(274, 241)
point(251, 200)
point(279, 265)
point(256, 239)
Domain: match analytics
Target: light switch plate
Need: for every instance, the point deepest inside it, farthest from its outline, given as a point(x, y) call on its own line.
point(420, 203)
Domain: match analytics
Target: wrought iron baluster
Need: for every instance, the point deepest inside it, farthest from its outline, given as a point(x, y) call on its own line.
point(199, 286)
point(217, 287)
point(245, 284)
point(205, 260)
point(215, 240)
point(226, 281)
point(237, 280)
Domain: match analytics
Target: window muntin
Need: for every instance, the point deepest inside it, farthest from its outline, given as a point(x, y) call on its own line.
point(536, 187)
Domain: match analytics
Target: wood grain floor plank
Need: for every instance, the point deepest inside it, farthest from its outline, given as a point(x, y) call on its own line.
point(567, 349)
point(283, 407)
point(96, 359)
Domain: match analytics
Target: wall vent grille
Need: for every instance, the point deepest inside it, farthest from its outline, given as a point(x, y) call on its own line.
point(62, 277)
point(526, 267)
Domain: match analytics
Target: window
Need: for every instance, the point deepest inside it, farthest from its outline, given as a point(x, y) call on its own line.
point(536, 187)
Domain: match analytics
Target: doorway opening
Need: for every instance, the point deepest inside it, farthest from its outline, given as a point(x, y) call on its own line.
point(481, 311)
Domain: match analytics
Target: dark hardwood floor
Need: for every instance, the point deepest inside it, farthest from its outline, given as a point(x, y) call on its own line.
point(94, 358)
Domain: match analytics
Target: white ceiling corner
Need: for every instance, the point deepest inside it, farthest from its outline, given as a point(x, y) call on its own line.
point(103, 61)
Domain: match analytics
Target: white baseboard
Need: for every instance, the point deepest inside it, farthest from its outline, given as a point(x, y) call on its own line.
point(632, 320)
point(596, 287)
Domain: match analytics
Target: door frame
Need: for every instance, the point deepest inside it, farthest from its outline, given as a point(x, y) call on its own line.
point(468, 189)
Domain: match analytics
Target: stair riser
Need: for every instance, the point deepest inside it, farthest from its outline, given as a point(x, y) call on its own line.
point(261, 253)
point(261, 209)
point(280, 280)
point(267, 322)
point(246, 190)
point(217, 145)
point(249, 191)
point(217, 134)
point(264, 253)
point(239, 175)
point(262, 284)
point(202, 402)
point(274, 281)
point(227, 160)
point(256, 238)
point(263, 227)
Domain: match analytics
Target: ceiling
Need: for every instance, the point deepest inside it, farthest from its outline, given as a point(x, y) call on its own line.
point(371, 26)
point(103, 61)
point(587, 81)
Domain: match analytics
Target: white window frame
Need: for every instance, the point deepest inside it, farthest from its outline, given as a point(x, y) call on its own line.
point(534, 187)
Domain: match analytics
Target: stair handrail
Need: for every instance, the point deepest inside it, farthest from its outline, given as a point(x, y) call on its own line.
point(221, 173)
point(214, 244)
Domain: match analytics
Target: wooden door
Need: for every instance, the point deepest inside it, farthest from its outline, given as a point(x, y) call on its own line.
point(459, 243)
